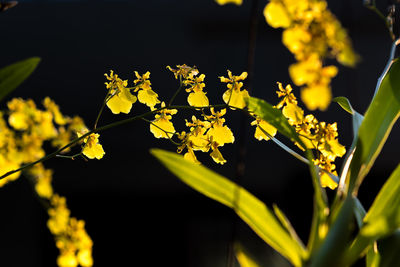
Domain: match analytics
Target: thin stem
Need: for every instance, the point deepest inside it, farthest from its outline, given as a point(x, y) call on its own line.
point(69, 157)
point(101, 110)
point(176, 92)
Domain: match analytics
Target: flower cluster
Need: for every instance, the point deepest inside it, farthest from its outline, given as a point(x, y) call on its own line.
point(318, 136)
point(71, 238)
point(21, 142)
point(22, 138)
point(312, 33)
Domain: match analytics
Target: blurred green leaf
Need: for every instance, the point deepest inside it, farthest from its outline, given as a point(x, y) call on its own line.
point(384, 215)
point(382, 219)
point(389, 250)
point(248, 207)
point(13, 75)
point(243, 257)
point(274, 117)
point(335, 244)
point(378, 121)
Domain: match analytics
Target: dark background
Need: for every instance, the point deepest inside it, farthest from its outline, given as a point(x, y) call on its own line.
point(136, 212)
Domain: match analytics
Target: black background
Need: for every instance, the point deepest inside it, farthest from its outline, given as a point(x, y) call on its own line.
point(136, 212)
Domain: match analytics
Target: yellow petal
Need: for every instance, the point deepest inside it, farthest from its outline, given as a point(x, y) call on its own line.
point(276, 15)
point(293, 113)
point(317, 96)
point(148, 97)
point(217, 156)
point(118, 105)
point(326, 181)
point(260, 135)
point(162, 128)
point(221, 134)
point(18, 120)
point(235, 98)
point(190, 156)
point(93, 149)
point(224, 2)
point(198, 99)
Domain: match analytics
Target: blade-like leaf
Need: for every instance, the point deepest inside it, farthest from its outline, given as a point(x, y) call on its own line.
point(378, 121)
point(274, 117)
point(382, 218)
point(244, 259)
point(247, 206)
point(384, 215)
point(334, 246)
point(13, 75)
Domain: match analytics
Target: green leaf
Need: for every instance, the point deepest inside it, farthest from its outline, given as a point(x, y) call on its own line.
point(333, 248)
point(13, 75)
point(274, 117)
point(248, 207)
point(382, 218)
point(384, 215)
point(378, 121)
point(243, 257)
point(344, 103)
point(389, 251)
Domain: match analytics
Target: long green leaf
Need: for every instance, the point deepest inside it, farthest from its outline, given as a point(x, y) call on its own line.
point(247, 206)
point(384, 215)
point(243, 257)
point(334, 246)
point(382, 219)
point(378, 121)
point(13, 75)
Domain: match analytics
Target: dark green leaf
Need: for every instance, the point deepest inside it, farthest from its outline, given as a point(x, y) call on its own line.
point(334, 246)
point(13, 75)
point(247, 206)
point(378, 121)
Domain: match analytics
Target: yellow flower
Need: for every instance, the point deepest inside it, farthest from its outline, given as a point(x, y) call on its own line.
point(52, 107)
point(120, 98)
point(196, 98)
point(293, 113)
point(162, 127)
point(332, 149)
point(145, 95)
point(216, 154)
point(326, 181)
point(67, 259)
point(92, 148)
point(317, 96)
point(286, 95)
point(219, 133)
point(276, 15)
point(262, 127)
point(224, 2)
point(183, 71)
point(43, 179)
point(234, 96)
